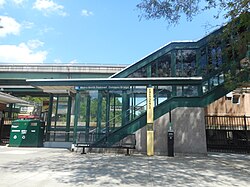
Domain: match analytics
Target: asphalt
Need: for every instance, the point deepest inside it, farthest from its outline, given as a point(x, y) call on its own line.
point(42, 167)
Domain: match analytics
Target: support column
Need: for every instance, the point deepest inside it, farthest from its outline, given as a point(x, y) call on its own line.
point(48, 126)
point(150, 121)
point(125, 106)
point(107, 113)
point(10, 110)
point(68, 118)
point(113, 126)
point(87, 118)
point(99, 113)
point(56, 114)
point(77, 106)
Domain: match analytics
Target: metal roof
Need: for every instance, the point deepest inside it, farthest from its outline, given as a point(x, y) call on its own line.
point(68, 85)
point(7, 98)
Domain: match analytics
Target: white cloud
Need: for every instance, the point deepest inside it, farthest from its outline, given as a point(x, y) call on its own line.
point(74, 61)
point(10, 26)
point(19, 2)
point(27, 24)
point(21, 53)
point(86, 13)
point(58, 61)
point(2, 2)
point(34, 44)
point(49, 7)
point(45, 30)
point(16, 2)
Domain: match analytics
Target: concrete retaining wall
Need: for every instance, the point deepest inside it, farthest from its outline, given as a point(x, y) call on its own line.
point(189, 131)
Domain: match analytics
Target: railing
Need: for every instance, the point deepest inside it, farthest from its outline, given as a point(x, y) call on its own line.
point(227, 122)
point(228, 133)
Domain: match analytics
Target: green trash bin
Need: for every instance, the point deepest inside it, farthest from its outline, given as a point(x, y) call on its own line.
point(27, 133)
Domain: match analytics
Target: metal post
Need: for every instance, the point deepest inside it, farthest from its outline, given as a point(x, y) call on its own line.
point(68, 118)
point(99, 113)
point(48, 127)
point(114, 113)
point(125, 106)
point(107, 113)
point(245, 124)
point(87, 118)
point(10, 110)
point(77, 105)
point(56, 114)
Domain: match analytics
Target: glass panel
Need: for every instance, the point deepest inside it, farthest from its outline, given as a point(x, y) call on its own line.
point(164, 93)
point(115, 109)
point(142, 72)
point(179, 63)
point(154, 69)
point(203, 61)
point(190, 91)
point(58, 119)
point(214, 81)
point(164, 66)
point(189, 63)
point(215, 57)
point(221, 78)
point(179, 91)
point(205, 87)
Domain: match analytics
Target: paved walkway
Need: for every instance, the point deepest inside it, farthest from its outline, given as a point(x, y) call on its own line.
point(59, 167)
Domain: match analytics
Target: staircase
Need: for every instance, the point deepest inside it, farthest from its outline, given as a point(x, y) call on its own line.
point(209, 93)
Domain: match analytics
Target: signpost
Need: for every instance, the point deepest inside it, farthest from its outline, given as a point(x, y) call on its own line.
point(150, 121)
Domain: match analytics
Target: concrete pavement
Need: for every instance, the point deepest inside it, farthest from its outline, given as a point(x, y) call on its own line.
point(59, 167)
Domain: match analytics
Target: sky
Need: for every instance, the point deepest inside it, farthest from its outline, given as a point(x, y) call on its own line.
point(87, 31)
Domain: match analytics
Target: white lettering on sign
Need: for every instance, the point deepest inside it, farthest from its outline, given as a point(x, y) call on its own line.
point(15, 137)
point(13, 126)
point(23, 131)
point(23, 137)
point(33, 124)
point(15, 131)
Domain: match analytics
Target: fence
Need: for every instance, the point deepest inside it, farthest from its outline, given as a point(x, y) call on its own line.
point(228, 133)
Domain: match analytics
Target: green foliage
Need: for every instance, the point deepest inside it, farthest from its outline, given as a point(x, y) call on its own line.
point(37, 100)
point(234, 39)
point(171, 10)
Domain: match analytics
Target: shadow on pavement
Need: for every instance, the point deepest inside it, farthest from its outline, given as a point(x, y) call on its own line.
point(114, 170)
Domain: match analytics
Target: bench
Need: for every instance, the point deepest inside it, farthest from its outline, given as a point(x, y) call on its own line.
point(127, 143)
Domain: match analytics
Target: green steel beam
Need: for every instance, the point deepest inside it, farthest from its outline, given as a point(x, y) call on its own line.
point(56, 117)
point(68, 118)
point(48, 127)
point(54, 75)
point(117, 83)
point(125, 107)
point(162, 51)
point(99, 112)
point(107, 113)
point(88, 116)
point(77, 107)
point(10, 110)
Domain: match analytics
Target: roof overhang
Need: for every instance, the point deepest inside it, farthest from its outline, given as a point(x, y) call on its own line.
point(6, 99)
point(69, 85)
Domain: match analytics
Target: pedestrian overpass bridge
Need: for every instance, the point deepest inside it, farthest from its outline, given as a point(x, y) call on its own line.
point(99, 106)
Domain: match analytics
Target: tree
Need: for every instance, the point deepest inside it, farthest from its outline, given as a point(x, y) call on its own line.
point(172, 10)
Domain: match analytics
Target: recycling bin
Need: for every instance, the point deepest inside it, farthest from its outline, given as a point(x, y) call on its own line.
point(27, 133)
